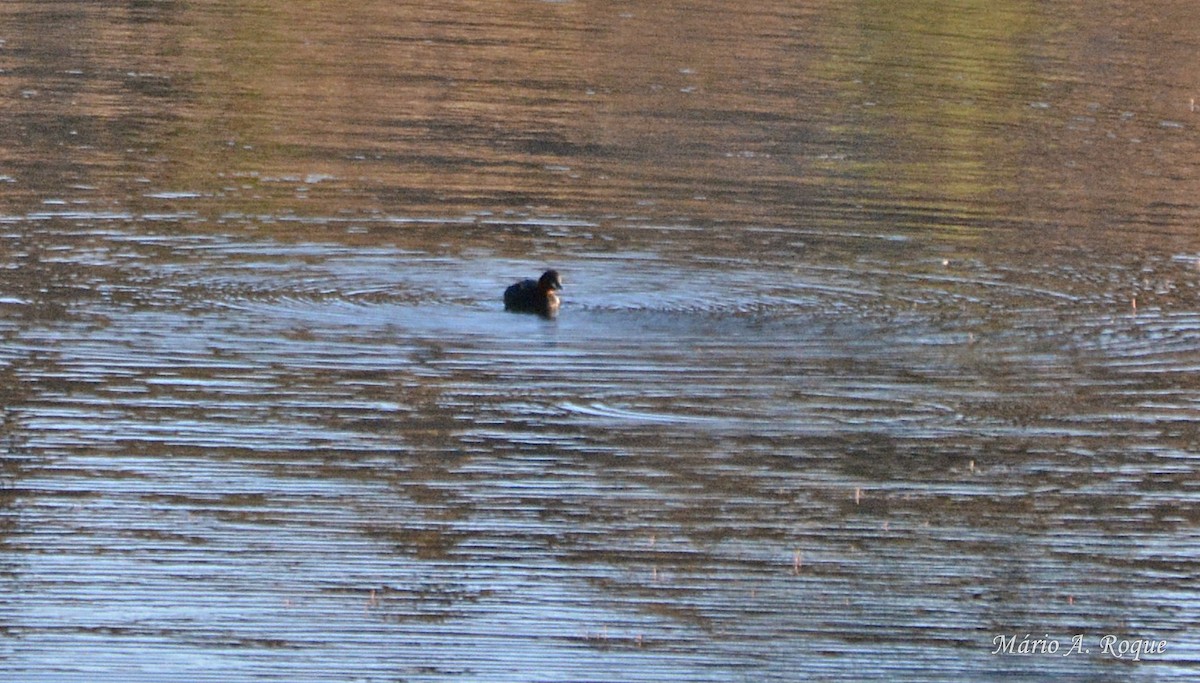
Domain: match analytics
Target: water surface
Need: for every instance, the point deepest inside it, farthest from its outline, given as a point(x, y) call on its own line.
point(879, 340)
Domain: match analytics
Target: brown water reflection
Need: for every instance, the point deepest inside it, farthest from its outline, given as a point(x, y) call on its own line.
point(879, 340)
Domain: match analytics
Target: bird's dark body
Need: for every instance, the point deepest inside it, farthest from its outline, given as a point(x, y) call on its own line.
point(534, 296)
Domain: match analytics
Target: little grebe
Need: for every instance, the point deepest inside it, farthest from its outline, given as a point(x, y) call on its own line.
point(534, 296)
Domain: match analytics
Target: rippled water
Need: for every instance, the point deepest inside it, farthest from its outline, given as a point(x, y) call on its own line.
point(880, 340)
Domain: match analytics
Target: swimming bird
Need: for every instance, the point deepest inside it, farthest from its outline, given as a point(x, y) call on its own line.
point(535, 296)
